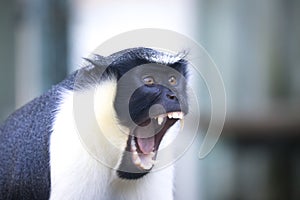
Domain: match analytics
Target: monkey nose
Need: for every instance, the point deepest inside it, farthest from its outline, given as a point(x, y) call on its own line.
point(171, 96)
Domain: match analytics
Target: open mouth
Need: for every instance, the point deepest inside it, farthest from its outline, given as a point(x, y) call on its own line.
point(146, 138)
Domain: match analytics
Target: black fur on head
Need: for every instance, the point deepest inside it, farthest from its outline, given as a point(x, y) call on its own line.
point(117, 64)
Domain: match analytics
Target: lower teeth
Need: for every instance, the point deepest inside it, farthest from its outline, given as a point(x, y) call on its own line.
point(148, 158)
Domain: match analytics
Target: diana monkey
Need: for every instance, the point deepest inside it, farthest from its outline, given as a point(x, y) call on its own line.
point(98, 133)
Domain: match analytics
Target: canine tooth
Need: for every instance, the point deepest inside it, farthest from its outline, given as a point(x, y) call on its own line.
point(181, 124)
point(160, 120)
point(136, 160)
point(135, 155)
point(170, 115)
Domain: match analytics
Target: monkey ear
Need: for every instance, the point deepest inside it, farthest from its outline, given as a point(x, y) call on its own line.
point(98, 57)
point(98, 61)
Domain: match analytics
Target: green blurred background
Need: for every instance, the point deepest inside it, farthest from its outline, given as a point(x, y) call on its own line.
point(255, 44)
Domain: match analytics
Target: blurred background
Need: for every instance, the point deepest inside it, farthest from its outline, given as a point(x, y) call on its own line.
point(255, 44)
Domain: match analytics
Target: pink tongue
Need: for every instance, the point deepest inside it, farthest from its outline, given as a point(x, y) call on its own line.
point(146, 144)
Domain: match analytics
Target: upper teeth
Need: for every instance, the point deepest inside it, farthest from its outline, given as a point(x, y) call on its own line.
point(174, 115)
point(170, 115)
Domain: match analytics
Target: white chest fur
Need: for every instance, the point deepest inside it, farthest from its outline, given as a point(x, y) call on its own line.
point(76, 174)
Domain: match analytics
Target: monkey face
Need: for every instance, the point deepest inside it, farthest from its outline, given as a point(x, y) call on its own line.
point(150, 99)
point(147, 90)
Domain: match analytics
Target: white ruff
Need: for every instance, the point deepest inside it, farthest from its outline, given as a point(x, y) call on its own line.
point(76, 172)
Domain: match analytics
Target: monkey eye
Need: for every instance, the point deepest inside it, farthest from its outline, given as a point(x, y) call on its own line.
point(172, 80)
point(149, 80)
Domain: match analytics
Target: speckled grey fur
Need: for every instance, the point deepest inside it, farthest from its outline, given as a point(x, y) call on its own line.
point(24, 156)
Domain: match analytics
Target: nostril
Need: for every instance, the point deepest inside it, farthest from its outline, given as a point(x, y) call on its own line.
point(171, 96)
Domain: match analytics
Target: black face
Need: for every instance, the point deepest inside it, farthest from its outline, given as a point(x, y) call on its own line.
point(150, 99)
point(147, 91)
